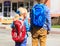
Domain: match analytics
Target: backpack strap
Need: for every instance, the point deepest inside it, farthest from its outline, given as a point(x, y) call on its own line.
point(15, 28)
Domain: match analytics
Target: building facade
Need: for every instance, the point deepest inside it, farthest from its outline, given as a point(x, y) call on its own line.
point(9, 7)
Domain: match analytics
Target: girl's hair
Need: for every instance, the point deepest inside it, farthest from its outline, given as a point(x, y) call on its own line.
point(16, 17)
point(22, 10)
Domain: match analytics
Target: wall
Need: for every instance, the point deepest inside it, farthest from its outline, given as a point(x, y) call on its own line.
point(55, 10)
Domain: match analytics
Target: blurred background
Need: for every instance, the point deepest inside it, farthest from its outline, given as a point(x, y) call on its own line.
point(9, 7)
point(7, 13)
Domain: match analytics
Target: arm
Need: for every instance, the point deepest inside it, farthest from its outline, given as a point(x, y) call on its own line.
point(48, 20)
point(27, 24)
point(12, 25)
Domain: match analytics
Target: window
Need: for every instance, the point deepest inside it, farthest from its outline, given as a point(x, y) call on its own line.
point(14, 6)
point(5, 14)
point(7, 8)
point(0, 7)
point(20, 4)
point(31, 3)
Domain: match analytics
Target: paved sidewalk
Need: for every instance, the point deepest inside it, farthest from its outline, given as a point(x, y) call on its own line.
point(55, 30)
point(6, 39)
point(7, 27)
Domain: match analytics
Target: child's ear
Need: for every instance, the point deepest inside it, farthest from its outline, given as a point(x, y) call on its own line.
point(24, 14)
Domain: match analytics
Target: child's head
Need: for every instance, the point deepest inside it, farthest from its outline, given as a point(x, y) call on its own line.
point(22, 12)
point(42, 1)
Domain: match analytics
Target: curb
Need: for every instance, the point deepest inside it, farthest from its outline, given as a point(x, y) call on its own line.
point(55, 32)
point(9, 28)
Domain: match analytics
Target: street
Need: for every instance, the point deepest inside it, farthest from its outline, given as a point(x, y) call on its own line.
point(6, 40)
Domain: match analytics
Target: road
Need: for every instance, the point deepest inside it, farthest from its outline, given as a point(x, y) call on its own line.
point(6, 40)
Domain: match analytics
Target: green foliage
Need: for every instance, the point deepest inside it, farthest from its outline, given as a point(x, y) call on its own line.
point(55, 26)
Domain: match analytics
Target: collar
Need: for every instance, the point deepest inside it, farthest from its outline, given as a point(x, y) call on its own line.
point(21, 19)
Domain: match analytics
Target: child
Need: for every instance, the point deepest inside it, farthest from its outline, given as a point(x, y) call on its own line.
point(40, 26)
point(27, 24)
point(22, 12)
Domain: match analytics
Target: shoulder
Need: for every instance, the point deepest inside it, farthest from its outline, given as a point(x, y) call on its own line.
point(47, 8)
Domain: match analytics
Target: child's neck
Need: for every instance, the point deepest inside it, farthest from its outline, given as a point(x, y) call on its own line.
point(21, 17)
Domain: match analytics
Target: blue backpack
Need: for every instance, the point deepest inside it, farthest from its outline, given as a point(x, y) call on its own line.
point(38, 16)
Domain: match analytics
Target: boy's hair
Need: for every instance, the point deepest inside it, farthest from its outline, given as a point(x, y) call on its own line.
point(22, 10)
point(39, 1)
point(45, 1)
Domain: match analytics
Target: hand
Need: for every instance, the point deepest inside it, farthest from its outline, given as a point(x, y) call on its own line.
point(28, 34)
point(48, 32)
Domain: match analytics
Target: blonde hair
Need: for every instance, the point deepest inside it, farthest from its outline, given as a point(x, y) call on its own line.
point(22, 10)
point(16, 17)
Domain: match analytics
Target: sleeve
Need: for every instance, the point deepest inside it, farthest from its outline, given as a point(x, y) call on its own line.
point(31, 19)
point(12, 25)
point(27, 25)
point(48, 20)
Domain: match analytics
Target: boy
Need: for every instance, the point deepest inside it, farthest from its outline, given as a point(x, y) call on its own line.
point(40, 33)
